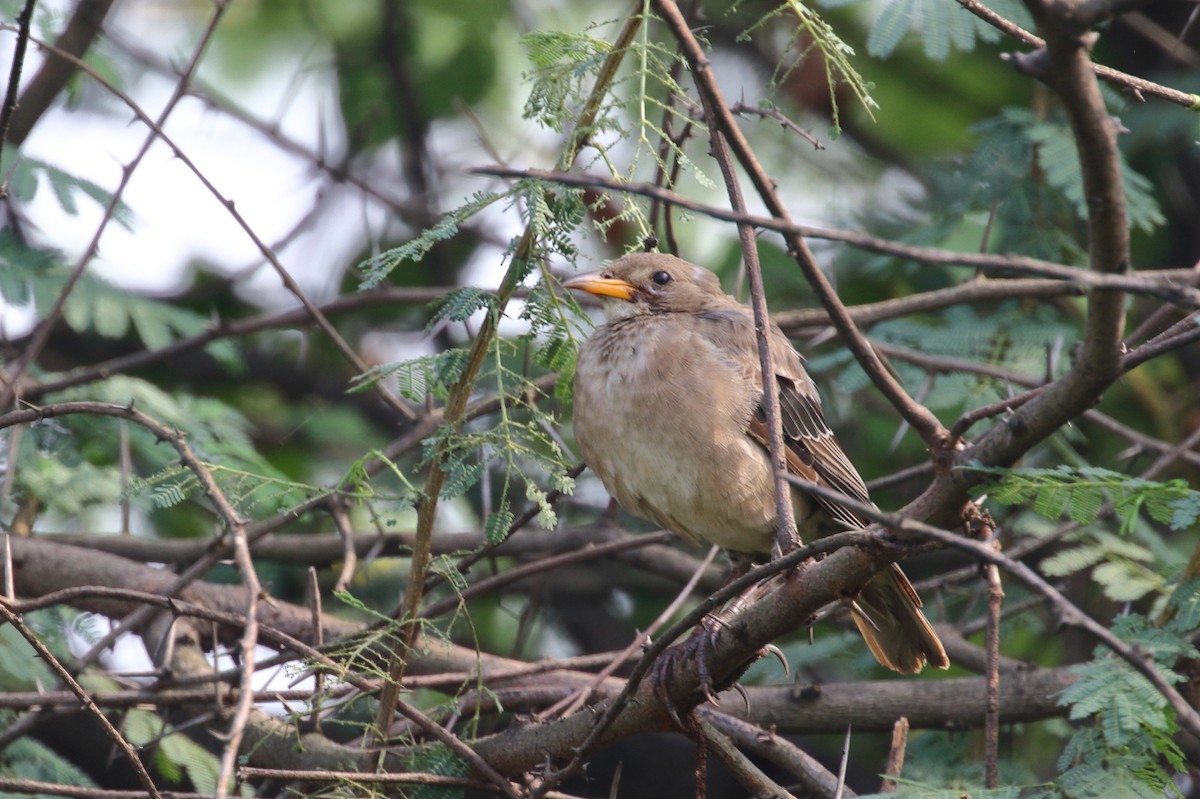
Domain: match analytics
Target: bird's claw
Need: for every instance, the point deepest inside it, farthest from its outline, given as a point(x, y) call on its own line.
point(771, 649)
point(698, 647)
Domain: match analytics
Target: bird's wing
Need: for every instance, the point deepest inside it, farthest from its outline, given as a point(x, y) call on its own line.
point(807, 437)
point(813, 453)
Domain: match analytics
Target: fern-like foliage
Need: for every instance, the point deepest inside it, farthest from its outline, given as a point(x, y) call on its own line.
point(36, 276)
point(1022, 182)
point(642, 102)
point(71, 463)
point(419, 377)
point(1131, 741)
point(943, 27)
point(177, 758)
point(1017, 141)
point(811, 36)
point(376, 269)
point(1008, 337)
point(518, 442)
point(438, 759)
point(27, 758)
point(25, 176)
point(1080, 493)
point(563, 64)
point(1129, 565)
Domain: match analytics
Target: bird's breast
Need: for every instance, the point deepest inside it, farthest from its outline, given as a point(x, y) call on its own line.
point(661, 417)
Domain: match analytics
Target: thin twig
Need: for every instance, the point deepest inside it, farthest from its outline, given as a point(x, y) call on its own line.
point(895, 761)
point(771, 112)
point(341, 521)
point(991, 725)
point(50, 660)
point(14, 75)
point(786, 537)
point(1139, 86)
point(1172, 286)
point(841, 777)
point(314, 592)
point(20, 786)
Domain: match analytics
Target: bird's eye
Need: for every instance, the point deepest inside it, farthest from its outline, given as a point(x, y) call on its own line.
point(661, 278)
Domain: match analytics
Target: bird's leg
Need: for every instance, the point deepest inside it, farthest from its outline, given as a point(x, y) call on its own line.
point(699, 646)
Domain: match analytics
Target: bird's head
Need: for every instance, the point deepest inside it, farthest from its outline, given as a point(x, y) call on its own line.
point(645, 283)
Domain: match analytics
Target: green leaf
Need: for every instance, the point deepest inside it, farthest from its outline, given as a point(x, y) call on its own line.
point(461, 477)
point(498, 521)
point(27, 758)
point(1071, 560)
point(1185, 511)
point(378, 267)
point(459, 304)
point(562, 65)
point(416, 378)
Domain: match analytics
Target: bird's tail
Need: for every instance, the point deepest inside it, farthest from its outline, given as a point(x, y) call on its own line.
point(888, 614)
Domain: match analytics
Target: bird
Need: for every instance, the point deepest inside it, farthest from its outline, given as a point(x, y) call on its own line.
point(668, 413)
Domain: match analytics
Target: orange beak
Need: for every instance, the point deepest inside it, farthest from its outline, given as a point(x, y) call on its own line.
point(595, 283)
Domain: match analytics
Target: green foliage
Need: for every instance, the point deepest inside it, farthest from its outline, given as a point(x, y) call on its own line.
point(495, 527)
point(944, 766)
point(1019, 190)
point(1081, 492)
point(19, 669)
point(1130, 742)
point(38, 275)
point(563, 64)
point(175, 755)
point(943, 26)
point(518, 441)
point(27, 758)
point(1059, 160)
point(85, 474)
point(814, 35)
point(378, 267)
point(1125, 568)
point(438, 759)
point(68, 488)
point(25, 176)
point(1009, 337)
point(419, 377)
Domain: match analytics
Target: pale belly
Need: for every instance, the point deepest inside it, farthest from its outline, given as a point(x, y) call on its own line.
point(677, 472)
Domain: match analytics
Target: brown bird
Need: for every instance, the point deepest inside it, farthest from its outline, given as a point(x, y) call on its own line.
point(668, 413)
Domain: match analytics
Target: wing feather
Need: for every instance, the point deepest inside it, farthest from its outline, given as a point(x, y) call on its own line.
point(813, 452)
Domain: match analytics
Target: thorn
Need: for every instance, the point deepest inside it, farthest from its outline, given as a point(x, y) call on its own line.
point(771, 649)
point(737, 686)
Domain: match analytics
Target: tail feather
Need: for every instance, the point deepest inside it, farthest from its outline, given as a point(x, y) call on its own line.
point(888, 615)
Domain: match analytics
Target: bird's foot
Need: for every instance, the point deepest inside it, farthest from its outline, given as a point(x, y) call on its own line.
point(697, 648)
